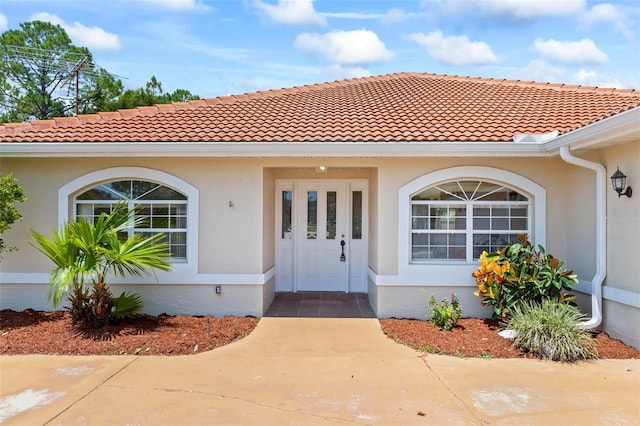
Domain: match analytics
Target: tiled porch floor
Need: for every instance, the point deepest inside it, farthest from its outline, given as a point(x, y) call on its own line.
point(321, 304)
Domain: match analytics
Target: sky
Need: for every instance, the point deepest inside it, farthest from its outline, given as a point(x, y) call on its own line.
point(223, 47)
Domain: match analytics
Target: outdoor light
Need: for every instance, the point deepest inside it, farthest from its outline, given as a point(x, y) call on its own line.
point(619, 181)
point(321, 169)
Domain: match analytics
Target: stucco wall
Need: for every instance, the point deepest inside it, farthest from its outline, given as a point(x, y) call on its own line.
point(239, 239)
point(268, 219)
point(411, 301)
point(579, 208)
point(623, 219)
point(393, 174)
point(229, 237)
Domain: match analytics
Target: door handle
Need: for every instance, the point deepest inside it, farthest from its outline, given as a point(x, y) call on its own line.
point(343, 258)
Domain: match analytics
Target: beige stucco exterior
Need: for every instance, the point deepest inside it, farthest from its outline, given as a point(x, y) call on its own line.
point(236, 230)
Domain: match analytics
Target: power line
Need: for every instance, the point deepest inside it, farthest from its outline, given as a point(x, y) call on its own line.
point(70, 65)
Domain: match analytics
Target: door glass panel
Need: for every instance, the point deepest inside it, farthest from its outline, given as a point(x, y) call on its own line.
point(331, 215)
point(286, 215)
point(312, 215)
point(356, 215)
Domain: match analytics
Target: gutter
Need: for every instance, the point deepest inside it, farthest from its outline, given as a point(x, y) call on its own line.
point(272, 150)
point(601, 234)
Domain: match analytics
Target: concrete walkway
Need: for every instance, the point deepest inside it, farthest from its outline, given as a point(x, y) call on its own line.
point(308, 371)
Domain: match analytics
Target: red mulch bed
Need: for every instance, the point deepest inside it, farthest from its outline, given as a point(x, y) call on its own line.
point(37, 332)
point(52, 333)
point(473, 337)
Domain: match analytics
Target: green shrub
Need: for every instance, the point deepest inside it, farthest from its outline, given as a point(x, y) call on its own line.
point(126, 305)
point(550, 330)
point(86, 252)
point(520, 272)
point(445, 314)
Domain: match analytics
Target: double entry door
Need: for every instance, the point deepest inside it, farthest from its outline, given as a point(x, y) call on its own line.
point(321, 243)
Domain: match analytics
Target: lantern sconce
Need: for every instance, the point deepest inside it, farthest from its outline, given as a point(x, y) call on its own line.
point(619, 181)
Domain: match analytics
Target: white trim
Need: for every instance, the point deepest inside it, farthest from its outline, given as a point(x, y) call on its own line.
point(273, 149)
point(452, 272)
point(143, 173)
point(161, 278)
point(616, 129)
point(614, 294)
point(457, 275)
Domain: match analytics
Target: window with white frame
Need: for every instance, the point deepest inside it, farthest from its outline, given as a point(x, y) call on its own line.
point(160, 209)
point(458, 220)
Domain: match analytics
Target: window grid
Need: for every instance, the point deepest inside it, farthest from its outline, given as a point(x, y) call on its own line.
point(460, 230)
point(168, 217)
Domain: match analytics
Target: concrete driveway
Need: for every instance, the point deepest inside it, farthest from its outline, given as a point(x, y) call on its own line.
point(315, 371)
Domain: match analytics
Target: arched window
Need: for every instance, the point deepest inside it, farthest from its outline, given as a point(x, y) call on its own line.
point(459, 219)
point(160, 208)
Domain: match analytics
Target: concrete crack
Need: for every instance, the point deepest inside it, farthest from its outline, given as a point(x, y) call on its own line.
point(91, 390)
point(249, 401)
point(424, 357)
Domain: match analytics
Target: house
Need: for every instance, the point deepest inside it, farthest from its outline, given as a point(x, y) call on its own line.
point(415, 173)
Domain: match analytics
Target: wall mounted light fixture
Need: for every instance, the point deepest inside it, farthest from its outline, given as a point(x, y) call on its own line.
point(322, 169)
point(619, 181)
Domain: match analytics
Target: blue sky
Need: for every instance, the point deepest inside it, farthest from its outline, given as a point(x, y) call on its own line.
point(220, 47)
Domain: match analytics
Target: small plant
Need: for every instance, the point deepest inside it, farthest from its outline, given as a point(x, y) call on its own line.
point(550, 330)
point(85, 252)
point(445, 314)
point(429, 350)
point(126, 305)
point(520, 272)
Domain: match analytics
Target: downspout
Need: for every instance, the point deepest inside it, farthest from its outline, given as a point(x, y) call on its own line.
point(601, 235)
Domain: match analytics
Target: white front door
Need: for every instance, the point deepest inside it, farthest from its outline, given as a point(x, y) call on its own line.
point(321, 265)
point(321, 236)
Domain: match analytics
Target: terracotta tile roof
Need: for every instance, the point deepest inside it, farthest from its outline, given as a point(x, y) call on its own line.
point(394, 107)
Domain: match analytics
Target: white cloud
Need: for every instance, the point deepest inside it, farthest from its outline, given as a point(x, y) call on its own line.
point(90, 37)
point(338, 72)
point(612, 14)
point(455, 50)
point(291, 12)
point(353, 15)
point(392, 16)
point(592, 78)
point(541, 71)
point(346, 47)
point(582, 51)
point(175, 4)
point(519, 9)
point(395, 16)
point(527, 9)
point(4, 24)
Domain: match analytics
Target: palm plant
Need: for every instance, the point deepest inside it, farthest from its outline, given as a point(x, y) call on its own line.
point(87, 252)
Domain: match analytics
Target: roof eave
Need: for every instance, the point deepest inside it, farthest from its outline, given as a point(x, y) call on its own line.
point(272, 149)
point(619, 128)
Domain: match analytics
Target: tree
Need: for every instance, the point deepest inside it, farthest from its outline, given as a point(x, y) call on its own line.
point(43, 75)
point(38, 61)
point(86, 252)
point(97, 93)
point(151, 94)
point(10, 194)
